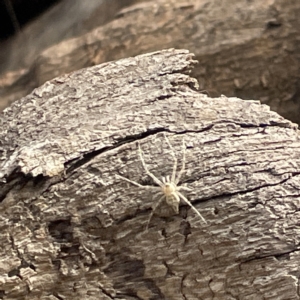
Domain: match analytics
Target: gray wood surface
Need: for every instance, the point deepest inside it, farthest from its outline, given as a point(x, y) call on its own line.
point(71, 229)
point(246, 49)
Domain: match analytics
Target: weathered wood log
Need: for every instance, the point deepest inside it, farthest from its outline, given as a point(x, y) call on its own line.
point(71, 229)
point(65, 20)
point(247, 50)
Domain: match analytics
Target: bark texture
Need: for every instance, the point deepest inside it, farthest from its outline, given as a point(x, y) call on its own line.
point(65, 20)
point(245, 49)
point(70, 229)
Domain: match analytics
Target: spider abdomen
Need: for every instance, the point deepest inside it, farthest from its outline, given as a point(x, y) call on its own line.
point(173, 201)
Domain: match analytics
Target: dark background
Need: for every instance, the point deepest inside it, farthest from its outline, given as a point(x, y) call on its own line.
point(14, 14)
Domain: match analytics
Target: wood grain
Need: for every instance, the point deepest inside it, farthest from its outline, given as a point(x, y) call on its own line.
point(70, 229)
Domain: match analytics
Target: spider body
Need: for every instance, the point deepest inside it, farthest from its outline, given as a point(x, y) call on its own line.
point(168, 188)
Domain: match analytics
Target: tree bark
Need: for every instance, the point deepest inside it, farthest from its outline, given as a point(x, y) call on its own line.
point(72, 229)
point(248, 50)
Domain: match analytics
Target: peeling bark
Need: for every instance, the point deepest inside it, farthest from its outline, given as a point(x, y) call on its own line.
point(70, 229)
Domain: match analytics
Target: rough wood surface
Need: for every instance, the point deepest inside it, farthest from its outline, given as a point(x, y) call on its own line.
point(246, 49)
point(65, 20)
point(70, 229)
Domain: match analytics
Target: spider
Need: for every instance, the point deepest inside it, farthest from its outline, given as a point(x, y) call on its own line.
point(168, 187)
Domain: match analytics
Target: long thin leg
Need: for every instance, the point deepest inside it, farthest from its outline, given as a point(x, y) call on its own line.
point(136, 183)
point(155, 179)
point(191, 205)
point(153, 210)
point(173, 178)
point(183, 164)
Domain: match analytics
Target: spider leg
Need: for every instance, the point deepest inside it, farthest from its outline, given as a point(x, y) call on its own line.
point(156, 194)
point(173, 178)
point(136, 183)
point(153, 210)
point(183, 164)
point(155, 179)
point(191, 205)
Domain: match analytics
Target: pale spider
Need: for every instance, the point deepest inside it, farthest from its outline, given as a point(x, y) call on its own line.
point(168, 187)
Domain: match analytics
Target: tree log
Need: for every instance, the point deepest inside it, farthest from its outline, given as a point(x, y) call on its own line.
point(247, 50)
point(72, 229)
